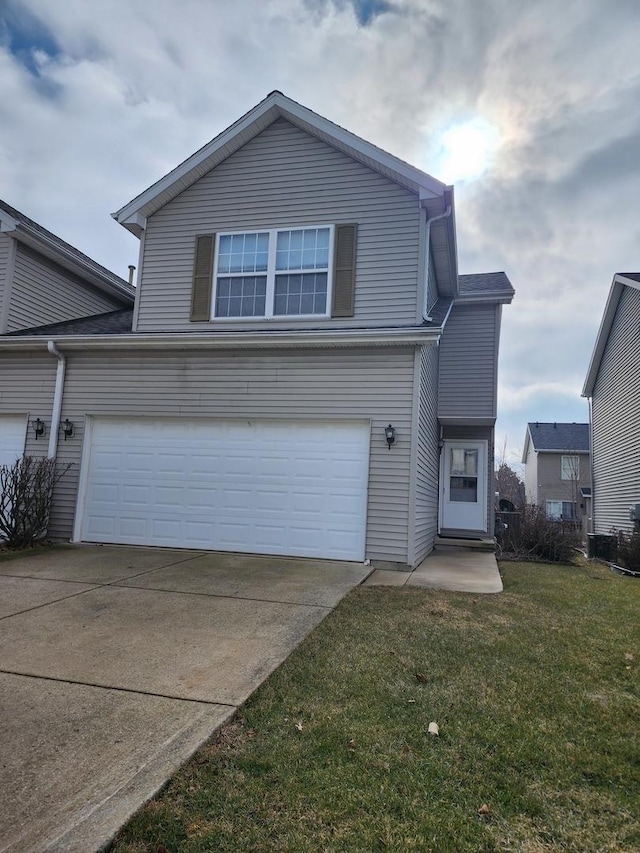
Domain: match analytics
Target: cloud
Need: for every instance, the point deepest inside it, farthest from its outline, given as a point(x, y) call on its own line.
point(101, 99)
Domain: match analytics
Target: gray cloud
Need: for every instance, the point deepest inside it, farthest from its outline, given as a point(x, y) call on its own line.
point(101, 99)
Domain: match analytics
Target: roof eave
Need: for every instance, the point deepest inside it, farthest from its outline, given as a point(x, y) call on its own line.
point(55, 252)
point(615, 291)
point(226, 340)
point(133, 215)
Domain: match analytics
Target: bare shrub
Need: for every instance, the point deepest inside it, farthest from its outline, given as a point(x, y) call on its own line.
point(627, 552)
point(26, 491)
point(533, 536)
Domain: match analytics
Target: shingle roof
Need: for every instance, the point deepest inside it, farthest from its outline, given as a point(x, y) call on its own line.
point(554, 436)
point(485, 282)
point(112, 323)
point(85, 260)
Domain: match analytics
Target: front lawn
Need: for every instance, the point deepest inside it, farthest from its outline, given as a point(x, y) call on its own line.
point(535, 693)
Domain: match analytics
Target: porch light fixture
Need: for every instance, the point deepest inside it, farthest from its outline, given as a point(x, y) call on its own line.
point(67, 428)
point(38, 427)
point(390, 435)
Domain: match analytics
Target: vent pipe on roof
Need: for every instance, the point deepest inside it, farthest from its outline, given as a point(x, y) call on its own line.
point(132, 269)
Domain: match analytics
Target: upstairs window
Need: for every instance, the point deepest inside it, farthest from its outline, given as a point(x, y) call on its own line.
point(275, 273)
point(570, 467)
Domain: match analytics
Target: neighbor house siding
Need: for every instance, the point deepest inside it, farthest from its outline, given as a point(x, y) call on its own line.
point(43, 293)
point(428, 456)
point(285, 177)
point(4, 262)
point(468, 362)
point(550, 485)
point(313, 385)
point(27, 387)
point(616, 420)
point(531, 476)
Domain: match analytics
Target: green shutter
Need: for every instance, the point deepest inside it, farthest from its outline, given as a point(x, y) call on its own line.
point(344, 271)
point(202, 278)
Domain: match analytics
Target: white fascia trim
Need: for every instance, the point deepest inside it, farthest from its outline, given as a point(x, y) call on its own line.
point(233, 340)
point(283, 106)
point(445, 420)
point(495, 296)
point(602, 337)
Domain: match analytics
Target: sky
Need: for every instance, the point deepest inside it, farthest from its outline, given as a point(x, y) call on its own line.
point(531, 108)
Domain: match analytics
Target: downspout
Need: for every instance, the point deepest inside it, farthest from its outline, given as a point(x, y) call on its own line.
point(57, 399)
point(425, 307)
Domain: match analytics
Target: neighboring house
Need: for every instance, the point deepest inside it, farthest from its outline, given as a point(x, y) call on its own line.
point(45, 280)
point(557, 469)
point(613, 386)
point(305, 372)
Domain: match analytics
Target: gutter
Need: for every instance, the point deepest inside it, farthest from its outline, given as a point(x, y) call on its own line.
point(57, 399)
point(414, 336)
point(425, 307)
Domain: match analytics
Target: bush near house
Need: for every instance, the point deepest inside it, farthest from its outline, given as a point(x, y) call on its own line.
point(26, 490)
point(627, 550)
point(531, 535)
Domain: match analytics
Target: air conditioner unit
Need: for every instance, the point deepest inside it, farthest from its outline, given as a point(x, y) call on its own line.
point(634, 512)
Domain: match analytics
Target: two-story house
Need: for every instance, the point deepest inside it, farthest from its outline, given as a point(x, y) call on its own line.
point(45, 280)
point(557, 469)
point(304, 373)
point(613, 386)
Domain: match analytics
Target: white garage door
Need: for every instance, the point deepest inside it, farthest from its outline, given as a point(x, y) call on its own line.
point(13, 429)
point(255, 486)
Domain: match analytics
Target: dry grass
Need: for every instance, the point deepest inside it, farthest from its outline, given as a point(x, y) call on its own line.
point(536, 696)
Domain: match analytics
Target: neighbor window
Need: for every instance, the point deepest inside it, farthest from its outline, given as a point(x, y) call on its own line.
point(273, 273)
point(570, 467)
point(561, 510)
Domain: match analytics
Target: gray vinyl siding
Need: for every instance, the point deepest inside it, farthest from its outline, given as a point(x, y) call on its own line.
point(616, 420)
point(285, 177)
point(549, 484)
point(4, 261)
point(44, 293)
point(468, 362)
point(428, 457)
point(314, 385)
point(531, 476)
point(476, 433)
point(28, 382)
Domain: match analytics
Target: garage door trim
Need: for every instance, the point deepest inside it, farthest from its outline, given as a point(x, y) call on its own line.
point(252, 526)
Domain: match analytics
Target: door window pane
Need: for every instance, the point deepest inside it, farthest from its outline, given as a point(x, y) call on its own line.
point(463, 489)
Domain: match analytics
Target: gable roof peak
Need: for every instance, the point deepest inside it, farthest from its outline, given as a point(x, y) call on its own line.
point(276, 105)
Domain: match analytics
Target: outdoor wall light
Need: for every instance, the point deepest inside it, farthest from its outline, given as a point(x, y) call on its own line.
point(67, 428)
point(390, 435)
point(38, 427)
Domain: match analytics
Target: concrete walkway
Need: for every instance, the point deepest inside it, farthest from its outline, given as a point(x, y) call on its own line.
point(116, 663)
point(454, 569)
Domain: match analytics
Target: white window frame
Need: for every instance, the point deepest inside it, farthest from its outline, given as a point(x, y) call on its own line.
point(561, 517)
point(271, 275)
point(570, 467)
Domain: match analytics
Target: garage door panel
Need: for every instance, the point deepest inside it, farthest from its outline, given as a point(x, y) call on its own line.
point(271, 487)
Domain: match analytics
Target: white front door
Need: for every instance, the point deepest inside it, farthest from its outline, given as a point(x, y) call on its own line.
point(463, 498)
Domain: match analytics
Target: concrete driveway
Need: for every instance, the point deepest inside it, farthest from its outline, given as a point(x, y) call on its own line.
point(117, 662)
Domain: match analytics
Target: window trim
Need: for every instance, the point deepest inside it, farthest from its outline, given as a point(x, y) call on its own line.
point(572, 469)
point(271, 275)
point(562, 502)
